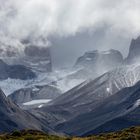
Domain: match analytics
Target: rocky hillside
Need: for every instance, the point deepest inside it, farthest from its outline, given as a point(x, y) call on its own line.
point(13, 118)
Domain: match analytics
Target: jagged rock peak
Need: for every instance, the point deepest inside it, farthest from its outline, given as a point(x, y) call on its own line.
point(134, 51)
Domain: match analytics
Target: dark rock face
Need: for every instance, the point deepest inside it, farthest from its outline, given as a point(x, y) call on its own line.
point(100, 62)
point(118, 123)
point(134, 51)
point(13, 118)
point(26, 95)
point(15, 72)
point(126, 106)
point(38, 58)
point(35, 51)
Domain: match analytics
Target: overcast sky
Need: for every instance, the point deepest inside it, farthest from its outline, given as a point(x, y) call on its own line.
point(74, 25)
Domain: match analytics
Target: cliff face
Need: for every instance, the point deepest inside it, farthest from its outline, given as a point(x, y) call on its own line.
point(100, 62)
point(38, 58)
point(134, 51)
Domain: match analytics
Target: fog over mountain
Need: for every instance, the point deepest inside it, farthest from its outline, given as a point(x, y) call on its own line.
point(68, 21)
point(72, 47)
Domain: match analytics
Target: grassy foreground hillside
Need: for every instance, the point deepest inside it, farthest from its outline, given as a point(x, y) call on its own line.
point(132, 133)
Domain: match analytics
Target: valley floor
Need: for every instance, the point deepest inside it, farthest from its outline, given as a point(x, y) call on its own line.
point(132, 133)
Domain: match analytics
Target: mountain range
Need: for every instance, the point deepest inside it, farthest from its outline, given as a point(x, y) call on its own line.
point(104, 95)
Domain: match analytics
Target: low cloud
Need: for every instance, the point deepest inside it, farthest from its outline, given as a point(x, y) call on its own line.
point(38, 19)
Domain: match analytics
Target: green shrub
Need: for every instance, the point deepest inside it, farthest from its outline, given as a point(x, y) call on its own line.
point(16, 134)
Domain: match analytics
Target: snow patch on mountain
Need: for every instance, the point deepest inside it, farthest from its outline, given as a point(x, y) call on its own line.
point(137, 103)
point(125, 76)
point(40, 106)
point(34, 102)
point(108, 89)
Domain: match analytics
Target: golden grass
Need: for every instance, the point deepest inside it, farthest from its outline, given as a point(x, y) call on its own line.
point(132, 133)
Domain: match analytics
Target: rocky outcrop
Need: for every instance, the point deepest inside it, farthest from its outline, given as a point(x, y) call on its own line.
point(38, 57)
point(15, 72)
point(134, 51)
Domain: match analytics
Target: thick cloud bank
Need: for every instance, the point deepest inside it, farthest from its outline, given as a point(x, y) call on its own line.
point(38, 19)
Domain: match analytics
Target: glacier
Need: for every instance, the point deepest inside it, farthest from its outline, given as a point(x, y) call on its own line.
point(58, 78)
